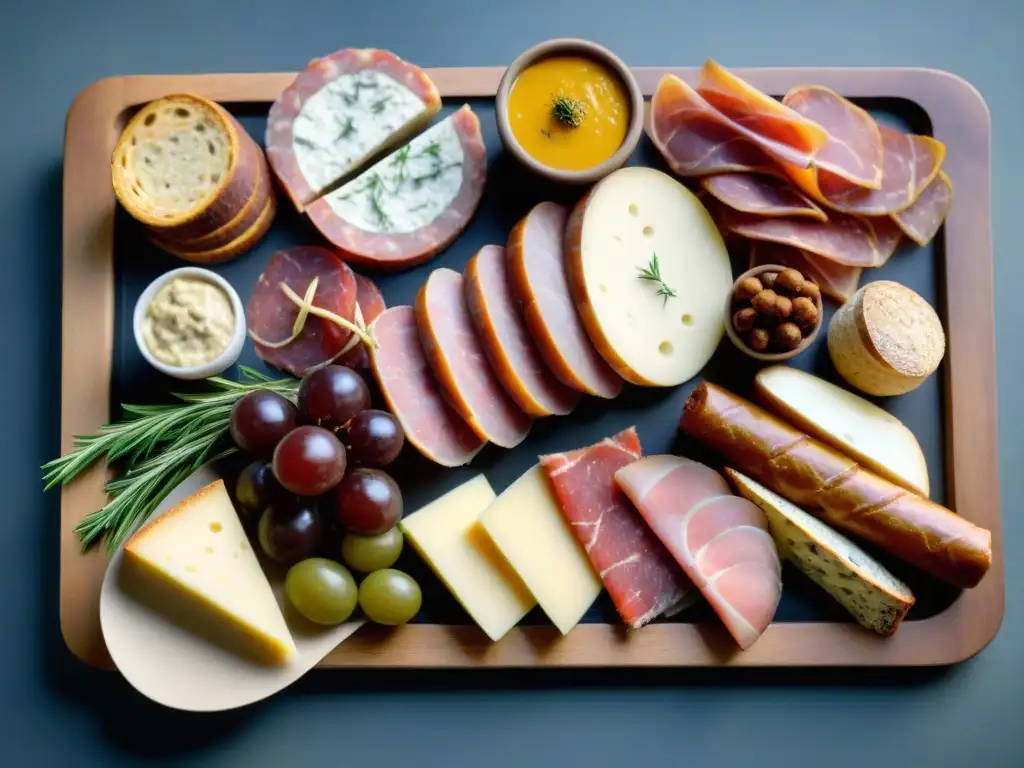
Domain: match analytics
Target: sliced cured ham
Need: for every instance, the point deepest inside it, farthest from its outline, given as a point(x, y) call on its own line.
point(271, 314)
point(849, 240)
point(637, 570)
point(854, 148)
point(340, 111)
point(371, 306)
point(413, 394)
point(413, 203)
point(921, 221)
point(835, 280)
point(910, 164)
point(720, 540)
point(784, 133)
point(695, 139)
point(459, 363)
point(761, 195)
point(506, 340)
point(536, 261)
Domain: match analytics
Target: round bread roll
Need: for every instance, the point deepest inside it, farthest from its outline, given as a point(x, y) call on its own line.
point(886, 340)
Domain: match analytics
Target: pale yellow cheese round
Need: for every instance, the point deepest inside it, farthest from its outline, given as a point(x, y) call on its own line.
point(630, 218)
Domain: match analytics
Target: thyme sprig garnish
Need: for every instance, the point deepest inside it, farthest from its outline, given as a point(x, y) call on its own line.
point(568, 112)
point(652, 272)
point(156, 446)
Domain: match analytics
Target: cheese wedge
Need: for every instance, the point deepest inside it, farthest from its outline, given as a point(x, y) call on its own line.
point(649, 273)
point(852, 425)
point(526, 524)
point(862, 585)
point(447, 535)
point(199, 549)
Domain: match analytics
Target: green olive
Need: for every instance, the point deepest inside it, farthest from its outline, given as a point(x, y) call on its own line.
point(390, 597)
point(371, 553)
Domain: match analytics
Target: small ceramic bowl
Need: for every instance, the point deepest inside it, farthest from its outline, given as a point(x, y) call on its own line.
point(734, 337)
point(577, 47)
point(231, 352)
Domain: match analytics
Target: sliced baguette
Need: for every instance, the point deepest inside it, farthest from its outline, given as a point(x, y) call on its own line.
point(243, 243)
point(184, 167)
point(872, 595)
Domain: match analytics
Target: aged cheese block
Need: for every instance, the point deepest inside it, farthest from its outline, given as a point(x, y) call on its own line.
point(852, 425)
point(876, 598)
point(649, 272)
point(526, 524)
point(886, 340)
point(200, 549)
point(447, 534)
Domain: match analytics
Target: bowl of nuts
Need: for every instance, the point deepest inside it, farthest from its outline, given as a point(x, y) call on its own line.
point(773, 313)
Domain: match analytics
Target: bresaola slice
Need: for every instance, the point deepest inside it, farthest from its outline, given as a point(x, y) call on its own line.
point(413, 203)
point(536, 262)
point(460, 365)
point(371, 306)
point(271, 314)
point(634, 565)
point(506, 340)
point(340, 111)
point(921, 221)
point(761, 195)
point(720, 540)
point(413, 394)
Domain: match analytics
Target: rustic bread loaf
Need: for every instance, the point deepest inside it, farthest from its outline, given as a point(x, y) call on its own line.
point(184, 167)
point(862, 585)
point(886, 340)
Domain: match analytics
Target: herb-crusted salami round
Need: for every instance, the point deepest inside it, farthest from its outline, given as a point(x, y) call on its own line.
point(340, 111)
point(276, 304)
point(413, 203)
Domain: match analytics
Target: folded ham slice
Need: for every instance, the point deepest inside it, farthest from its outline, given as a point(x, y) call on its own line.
point(720, 540)
point(761, 195)
point(921, 221)
point(784, 133)
point(835, 280)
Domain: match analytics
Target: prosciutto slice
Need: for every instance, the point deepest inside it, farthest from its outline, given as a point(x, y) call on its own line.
point(835, 280)
point(413, 394)
point(848, 240)
point(853, 151)
point(910, 164)
point(761, 195)
point(921, 221)
point(720, 540)
point(784, 133)
point(271, 314)
point(695, 138)
point(633, 564)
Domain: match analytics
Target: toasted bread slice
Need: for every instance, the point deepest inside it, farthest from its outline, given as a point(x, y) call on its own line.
point(243, 243)
point(875, 598)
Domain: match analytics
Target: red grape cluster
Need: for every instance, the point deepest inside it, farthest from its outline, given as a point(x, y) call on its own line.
point(324, 457)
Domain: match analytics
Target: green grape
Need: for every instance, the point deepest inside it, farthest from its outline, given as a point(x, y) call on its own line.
point(321, 590)
point(390, 597)
point(371, 553)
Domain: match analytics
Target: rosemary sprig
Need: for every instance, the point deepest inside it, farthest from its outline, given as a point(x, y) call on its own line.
point(160, 446)
point(569, 112)
point(652, 272)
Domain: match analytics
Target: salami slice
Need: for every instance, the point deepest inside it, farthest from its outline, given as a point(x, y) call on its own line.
point(458, 361)
point(271, 314)
point(506, 339)
point(340, 111)
point(371, 306)
point(763, 195)
point(921, 221)
point(413, 394)
point(413, 203)
point(536, 254)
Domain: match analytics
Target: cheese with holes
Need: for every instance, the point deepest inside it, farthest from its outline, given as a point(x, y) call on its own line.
point(199, 548)
point(650, 274)
point(526, 524)
point(447, 535)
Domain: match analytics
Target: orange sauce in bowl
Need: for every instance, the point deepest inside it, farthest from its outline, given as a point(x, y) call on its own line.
point(592, 92)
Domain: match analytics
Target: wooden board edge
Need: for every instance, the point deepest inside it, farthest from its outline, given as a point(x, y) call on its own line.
point(973, 620)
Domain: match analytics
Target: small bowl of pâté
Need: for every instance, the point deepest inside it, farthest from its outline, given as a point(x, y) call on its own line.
point(773, 313)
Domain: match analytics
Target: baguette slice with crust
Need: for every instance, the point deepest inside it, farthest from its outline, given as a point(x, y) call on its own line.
point(875, 598)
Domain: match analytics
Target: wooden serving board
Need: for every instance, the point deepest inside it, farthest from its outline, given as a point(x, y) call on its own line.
point(957, 427)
